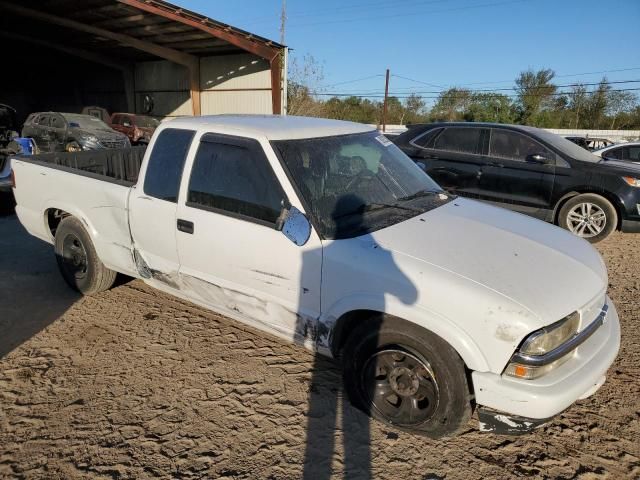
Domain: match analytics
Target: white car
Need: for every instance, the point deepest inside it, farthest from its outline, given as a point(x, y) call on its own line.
point(324, 233)
point(620, 152)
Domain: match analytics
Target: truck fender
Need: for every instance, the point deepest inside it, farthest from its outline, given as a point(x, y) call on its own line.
point(432, 321)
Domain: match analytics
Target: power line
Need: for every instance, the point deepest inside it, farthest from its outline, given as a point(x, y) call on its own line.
point(417, 81)
point(332, 11)
point(561, 76)
point(454, 96)
point(494, 90)
point(352, 81)
point(409, 14)
point(412, 90)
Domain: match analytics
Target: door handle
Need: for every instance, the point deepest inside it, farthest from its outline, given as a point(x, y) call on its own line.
point(185, 226)
point(496, 164)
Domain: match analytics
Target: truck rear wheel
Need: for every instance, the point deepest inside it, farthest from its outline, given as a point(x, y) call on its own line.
point(78, 261)
point(407, 377)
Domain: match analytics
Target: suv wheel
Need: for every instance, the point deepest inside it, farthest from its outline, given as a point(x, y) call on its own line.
point(589, 216)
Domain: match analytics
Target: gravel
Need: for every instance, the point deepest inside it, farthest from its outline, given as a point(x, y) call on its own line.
point(133, 383)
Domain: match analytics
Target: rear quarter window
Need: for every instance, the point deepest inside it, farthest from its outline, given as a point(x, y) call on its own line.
point(166, 162)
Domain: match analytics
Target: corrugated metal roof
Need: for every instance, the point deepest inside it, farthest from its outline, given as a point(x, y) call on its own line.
point(153, 21)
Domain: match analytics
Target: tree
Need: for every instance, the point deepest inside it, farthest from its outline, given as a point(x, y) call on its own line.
point(451, 105)
point(578, 102)
point(415, 109)
point(597, 105)
point(535, 94)
point(304, 81)
point(490, 107)
point(618, 103)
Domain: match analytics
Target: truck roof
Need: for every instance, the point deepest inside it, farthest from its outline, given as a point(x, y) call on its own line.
point(274, 127)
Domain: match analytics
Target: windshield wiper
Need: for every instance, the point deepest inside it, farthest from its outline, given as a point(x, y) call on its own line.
point(420, 193)
point(372, 207)
point(378, 206)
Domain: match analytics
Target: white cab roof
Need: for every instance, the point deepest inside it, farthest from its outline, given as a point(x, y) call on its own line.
point(274, 127)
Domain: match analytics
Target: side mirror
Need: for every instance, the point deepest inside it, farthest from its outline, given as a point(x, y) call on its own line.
point(294, 225)
point(537, 158)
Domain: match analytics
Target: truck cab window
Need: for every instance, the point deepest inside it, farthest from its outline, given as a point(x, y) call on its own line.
point(166, 161)
point(235, 179)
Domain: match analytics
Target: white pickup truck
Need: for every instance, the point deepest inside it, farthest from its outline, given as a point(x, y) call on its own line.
point(324, 233)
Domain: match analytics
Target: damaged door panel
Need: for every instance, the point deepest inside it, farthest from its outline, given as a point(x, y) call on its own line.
point(236, 255)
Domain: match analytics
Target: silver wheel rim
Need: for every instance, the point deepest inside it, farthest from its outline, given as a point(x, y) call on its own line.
point(586, 220)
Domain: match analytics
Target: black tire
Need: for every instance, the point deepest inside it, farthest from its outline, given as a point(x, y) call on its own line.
point(78, 261)
point(446, 407)
point(582, 222)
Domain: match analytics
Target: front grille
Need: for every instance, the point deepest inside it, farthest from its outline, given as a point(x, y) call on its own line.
point(113, 143)
point(592, 310)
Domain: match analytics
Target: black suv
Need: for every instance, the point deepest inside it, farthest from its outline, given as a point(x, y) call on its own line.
point(71, 132)
point(529, 170)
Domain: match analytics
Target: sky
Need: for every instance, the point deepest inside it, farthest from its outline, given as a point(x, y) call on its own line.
point(434, 44)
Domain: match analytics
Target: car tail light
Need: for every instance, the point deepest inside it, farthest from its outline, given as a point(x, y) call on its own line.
point(13, 178)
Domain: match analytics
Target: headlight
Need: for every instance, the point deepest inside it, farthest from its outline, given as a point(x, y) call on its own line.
point(88, 139)
point(542, 342)
point(634, 182)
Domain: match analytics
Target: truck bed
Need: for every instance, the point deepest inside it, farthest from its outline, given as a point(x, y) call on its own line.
point(112, 165)
point(93, 186)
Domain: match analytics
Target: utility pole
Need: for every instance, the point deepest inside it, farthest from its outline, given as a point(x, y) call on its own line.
point(283, 20)
point(384, 105)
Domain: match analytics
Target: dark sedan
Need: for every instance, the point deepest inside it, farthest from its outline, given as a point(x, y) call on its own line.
point(531, 171)
point(71, 132)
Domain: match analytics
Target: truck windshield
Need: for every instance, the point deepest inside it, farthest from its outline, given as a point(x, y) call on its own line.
point(354, 184)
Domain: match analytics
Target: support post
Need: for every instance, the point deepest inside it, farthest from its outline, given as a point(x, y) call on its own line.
point(194, 88)
point(276, 85)
point(129, 89)
point(384, 105)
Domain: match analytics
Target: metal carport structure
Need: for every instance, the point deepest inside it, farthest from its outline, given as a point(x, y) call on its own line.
point(124, 34)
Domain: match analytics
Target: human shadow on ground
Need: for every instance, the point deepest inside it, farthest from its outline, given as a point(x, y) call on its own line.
point(330, 410)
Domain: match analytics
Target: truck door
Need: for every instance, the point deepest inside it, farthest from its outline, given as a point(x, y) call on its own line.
point(232, 256)
point(153, 204)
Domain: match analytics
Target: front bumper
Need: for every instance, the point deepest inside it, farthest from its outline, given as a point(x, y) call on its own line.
point(5, 184)
point(502, 423)
point(543, 398)
point(630, 226)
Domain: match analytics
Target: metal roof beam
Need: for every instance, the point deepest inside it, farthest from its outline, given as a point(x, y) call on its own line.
point(73, 51)
point(99, 10)
point(157, 50)
point(244, 42)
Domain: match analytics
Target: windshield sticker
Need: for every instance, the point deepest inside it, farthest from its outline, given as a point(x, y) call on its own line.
point(383, 140)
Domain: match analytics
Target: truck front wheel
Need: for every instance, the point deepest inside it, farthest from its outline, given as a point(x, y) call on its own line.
point(78, 261)
point(407, 377)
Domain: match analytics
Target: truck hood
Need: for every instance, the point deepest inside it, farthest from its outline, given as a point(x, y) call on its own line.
point(100, 134)
point(548, 272)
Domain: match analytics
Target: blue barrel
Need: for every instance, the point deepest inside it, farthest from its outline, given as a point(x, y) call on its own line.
point(26, 144)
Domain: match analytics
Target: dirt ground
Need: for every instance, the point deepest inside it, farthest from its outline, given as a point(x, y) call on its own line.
point(133, 383)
